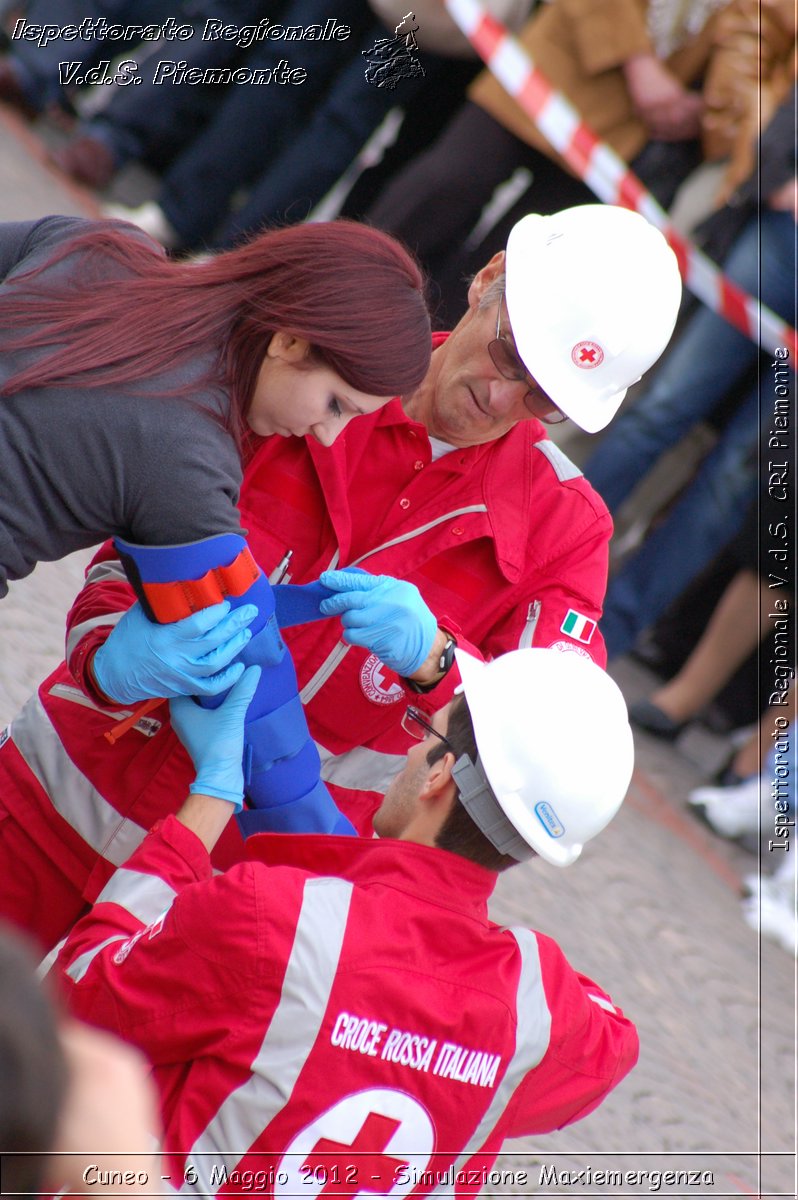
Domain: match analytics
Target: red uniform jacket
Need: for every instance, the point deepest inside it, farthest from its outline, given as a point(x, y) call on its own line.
point(504, 540)
point(338, 1015)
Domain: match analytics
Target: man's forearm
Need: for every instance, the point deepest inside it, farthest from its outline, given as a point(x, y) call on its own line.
point(206, 817)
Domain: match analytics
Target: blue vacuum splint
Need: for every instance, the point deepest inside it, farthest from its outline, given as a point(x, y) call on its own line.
point(281, 763)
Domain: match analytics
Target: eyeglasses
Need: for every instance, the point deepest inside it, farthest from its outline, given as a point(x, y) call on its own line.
point(508, 364)
point(418, 718)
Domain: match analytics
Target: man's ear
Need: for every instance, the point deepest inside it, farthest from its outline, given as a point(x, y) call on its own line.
point(287, 346)
point(439, 786)
point(484, 277)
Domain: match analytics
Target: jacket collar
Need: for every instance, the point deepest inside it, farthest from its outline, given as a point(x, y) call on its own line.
point(421, 871)
point(510, 509)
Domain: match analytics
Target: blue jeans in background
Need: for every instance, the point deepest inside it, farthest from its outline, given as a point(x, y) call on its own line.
point(708, 360)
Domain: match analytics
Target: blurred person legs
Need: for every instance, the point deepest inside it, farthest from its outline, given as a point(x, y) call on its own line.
point(669, 643)
point(29, 73)
point(770, 906)
point(738, 623)
point(359, 99)
point(709, 510)
point(435, 201)
point(154, 120)
point(735, 629)
point(605, 59)
point(418, 124)
point(733, 810)
point(764, 806)
point(730, 811)
point(252, 125)
point(706, 360)
point(309, 166)
point(660, 166)
point(746, 759)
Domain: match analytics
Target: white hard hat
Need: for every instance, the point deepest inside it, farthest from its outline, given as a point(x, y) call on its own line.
point(593, 293)
point(554, 746)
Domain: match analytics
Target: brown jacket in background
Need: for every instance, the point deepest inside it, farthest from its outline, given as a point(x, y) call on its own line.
point(753, 68)
point(579, 45)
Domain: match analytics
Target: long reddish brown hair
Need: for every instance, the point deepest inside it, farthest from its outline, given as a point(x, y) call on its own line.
point(351, 291)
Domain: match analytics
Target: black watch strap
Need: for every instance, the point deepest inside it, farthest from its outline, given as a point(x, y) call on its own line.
point(444, 666)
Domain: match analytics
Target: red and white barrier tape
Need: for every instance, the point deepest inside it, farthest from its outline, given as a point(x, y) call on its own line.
point(608, 175)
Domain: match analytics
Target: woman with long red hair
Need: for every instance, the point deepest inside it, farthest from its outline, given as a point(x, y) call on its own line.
point(128, 381)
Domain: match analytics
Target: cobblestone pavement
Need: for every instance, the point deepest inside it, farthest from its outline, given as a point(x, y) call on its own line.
point(651, 912)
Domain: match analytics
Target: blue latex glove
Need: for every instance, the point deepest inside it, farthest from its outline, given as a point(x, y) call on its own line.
point(192, 657)
point(214, 738)
point(384, 615)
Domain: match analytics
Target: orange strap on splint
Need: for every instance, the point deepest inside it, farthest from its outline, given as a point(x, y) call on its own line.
point(173, 601)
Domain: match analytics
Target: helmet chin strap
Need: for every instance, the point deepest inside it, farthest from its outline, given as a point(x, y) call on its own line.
point(477, 798)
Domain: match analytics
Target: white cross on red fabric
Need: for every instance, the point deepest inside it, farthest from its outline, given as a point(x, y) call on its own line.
point(337, 1162)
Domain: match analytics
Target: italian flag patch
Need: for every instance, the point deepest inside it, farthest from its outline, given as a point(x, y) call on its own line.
point(577, 626)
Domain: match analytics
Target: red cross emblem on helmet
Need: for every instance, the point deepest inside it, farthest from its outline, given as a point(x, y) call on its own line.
point(587, 355)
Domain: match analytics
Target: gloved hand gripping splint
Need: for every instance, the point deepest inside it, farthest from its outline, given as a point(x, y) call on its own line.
point(177, 586)
point(214, 739)
point(386, 616)
point(281, 762)
point(193, 657)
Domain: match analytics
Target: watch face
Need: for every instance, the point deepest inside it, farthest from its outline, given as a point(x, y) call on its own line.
point(447, 658)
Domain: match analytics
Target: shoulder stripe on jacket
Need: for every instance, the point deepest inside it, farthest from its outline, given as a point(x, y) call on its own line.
point(146, 897)
point(361, 769)
point(533, 1032)
point(290, 1038)
point(88, 812)
point(564, 469)
point(78, 632)
point(77, 969)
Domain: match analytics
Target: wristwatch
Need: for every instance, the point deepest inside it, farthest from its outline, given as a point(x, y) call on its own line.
point(444, 666)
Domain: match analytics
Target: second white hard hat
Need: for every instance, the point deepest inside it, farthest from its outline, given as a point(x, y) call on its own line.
point(554, 742)
point(593, 293)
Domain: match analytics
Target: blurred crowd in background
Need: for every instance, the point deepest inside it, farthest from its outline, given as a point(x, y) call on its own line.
point(399, 125)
